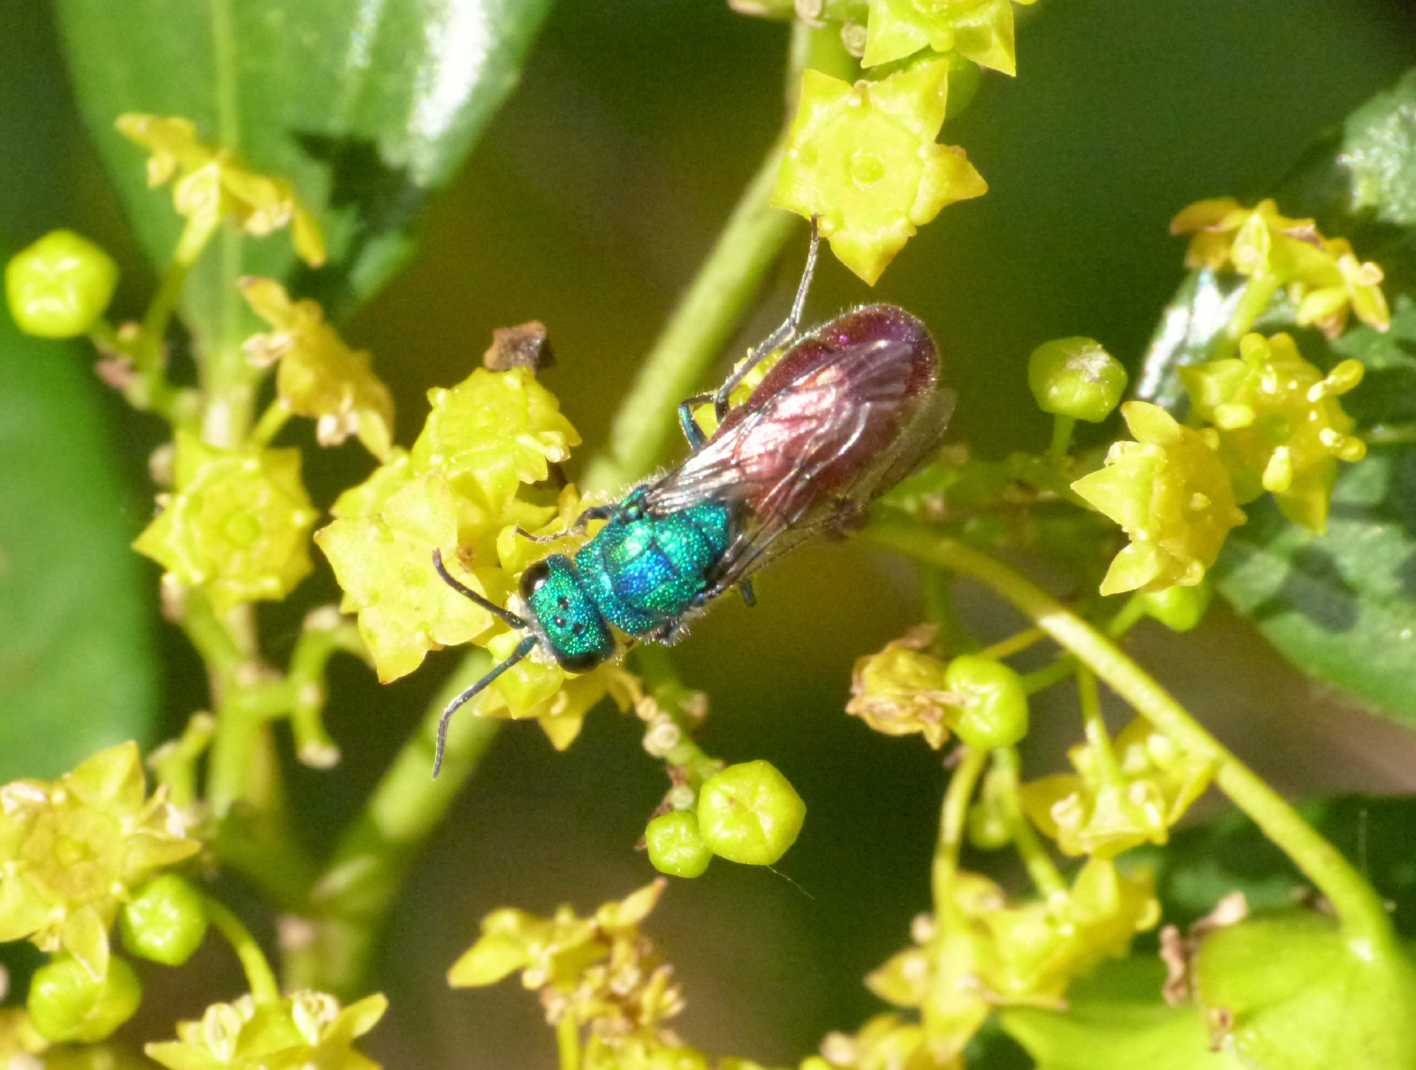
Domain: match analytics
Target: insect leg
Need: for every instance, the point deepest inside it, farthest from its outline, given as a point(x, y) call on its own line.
point(598, 512)
point(691, 430)
point(784, 332)
point(461, 588)
point(522, 649)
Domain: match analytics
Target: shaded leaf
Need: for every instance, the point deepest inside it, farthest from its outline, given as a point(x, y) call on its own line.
point(78, 658)
point(1116, 1020)
point(1301, 997)
point(368, 107)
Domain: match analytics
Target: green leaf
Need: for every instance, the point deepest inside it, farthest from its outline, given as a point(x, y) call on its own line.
point(1116, 1020)
point(368, 107)
point(78, 659)
point(1300, 997)
point(1230, 853)
point(1341, 606)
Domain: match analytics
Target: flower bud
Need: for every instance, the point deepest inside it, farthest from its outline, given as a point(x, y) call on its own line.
point(1179, 608)
point(1076, 377)
point(750, 813)
point(59, 286)
point(676, 846)
point(993, 707)
point(165, 921)
point(67, 1003)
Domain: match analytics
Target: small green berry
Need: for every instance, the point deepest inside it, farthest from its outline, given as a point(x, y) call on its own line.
point(60, 285)
point(1178, 608)
point(67, 1003)
point(750, 813)
point(676, 846)
point(994, 707)
point(1076, 377)
point(165, 921)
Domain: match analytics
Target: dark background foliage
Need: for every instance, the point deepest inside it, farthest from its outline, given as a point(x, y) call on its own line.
point(587, 204)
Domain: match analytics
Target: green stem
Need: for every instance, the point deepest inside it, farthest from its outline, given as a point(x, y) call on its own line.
point(1258, 292)
point(1359, 909)
point(1094, 727)
point(1014, 644)
point(1044, 875)
point(259, 976)
point(1062, 427)
point(373, 855)
point(568, 1042)
point(673, 697)
point(953, 819)
point(276, 415)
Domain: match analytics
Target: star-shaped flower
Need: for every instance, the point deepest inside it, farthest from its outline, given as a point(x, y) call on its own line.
point(1171, 493)
point(863, 160)
point(979, 30)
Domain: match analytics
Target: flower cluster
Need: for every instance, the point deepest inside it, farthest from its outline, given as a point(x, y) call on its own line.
point(318, 375)
point(978, 953)
point(72, 849)
point(1323, 276)
point(475, 475)
point(597, 971)
point(1116, 801)
point(212, 185)
point(236, 524)
point(1281, 427)
point(305, 1030)
point(862, 159)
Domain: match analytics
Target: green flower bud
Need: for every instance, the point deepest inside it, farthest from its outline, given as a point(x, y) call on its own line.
point(1179, 608)
point(165, 921)
point(676, 846)
point(60, 285)
point(993, 707)
point(1076, 377)
point(67, 1003)
point(750, 813)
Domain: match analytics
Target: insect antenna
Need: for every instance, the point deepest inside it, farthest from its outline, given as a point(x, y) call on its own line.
point(522, 649)
point(504, 615)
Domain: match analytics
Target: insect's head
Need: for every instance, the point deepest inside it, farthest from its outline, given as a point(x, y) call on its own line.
point(571, 627)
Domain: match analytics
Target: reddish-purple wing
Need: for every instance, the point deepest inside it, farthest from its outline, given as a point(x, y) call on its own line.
point(845, 414)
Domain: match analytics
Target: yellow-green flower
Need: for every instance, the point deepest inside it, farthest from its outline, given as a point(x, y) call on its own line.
point(236, 524)
point(493, 432)
point(597, 970)
point(213, 185)
point(885, 1042)
point(978, 953)
point(902, 690)
point(1101, 812)
point(72, 849)
point(862, 158)
point(980, 30)
point(306, 1031)
point(1324, 277)
point(1281, 426)
point(1171, 493)
point(319, 376)
point(381, 545)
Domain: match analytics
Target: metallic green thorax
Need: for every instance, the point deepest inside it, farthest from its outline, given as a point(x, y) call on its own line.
point(640, 573)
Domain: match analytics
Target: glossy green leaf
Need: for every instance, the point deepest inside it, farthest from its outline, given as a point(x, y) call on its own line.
point(78, 658)
point(1300, 997)
point(1116, 1020)
point(1341, 606)
point(1202, 864)
point(369, 106)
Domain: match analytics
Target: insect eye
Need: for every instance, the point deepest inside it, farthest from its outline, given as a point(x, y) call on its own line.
point(577, 628)
point(563, 602)
point(533, 577)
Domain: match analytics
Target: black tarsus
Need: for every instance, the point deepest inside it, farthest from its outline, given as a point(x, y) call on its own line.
point(504, 615)
point(522, 649)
